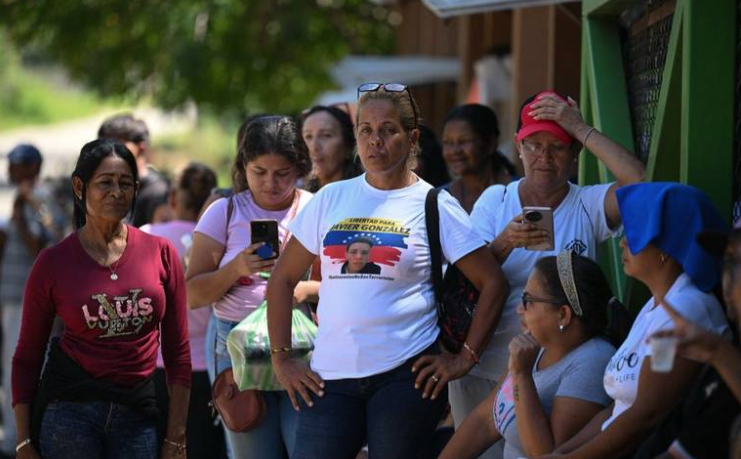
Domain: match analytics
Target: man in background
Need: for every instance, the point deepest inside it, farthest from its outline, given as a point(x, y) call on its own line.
point(151, 200)
point(32, 226)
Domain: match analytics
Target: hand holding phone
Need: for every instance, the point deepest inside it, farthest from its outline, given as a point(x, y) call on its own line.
point(266, 231)
point(541, 218)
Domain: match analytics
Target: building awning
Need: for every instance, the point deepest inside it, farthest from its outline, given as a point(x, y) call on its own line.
point(352, 71)
point(450, 8)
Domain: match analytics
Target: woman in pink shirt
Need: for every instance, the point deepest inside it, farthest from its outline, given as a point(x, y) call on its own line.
point(224, 269)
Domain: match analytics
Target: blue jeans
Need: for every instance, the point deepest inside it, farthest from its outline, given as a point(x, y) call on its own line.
point(384, 409)
point(209, 345)
point(96, 430)
point(275, 436)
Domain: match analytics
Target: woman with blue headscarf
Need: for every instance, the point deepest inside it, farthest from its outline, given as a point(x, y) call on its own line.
point(660, 250)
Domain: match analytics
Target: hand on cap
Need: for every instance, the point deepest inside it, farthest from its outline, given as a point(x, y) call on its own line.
point(553, 108)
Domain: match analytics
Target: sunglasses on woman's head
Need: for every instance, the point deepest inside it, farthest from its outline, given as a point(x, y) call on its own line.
point(390, 87)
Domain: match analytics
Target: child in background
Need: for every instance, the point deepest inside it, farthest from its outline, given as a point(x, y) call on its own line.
point(191, 189)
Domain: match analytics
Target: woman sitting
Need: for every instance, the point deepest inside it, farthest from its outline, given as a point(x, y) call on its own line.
point(554, 384)
point(549, 136)
point(660, 250)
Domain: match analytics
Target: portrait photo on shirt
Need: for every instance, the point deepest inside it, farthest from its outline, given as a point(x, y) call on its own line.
point(366, 246)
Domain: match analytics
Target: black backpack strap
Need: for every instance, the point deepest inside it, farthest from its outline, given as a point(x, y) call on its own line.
point(432, 220)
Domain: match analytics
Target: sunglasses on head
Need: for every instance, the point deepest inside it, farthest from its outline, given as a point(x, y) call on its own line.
point(390, 87)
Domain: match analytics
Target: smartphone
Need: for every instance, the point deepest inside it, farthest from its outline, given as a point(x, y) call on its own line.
point(266, 231)
point(541, 217)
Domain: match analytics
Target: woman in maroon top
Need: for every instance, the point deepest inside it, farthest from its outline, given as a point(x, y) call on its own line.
point(119, 292)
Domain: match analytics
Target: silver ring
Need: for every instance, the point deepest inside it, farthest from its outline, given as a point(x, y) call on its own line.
point(436, 378)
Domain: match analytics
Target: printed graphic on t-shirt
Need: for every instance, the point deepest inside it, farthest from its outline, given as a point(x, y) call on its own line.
point(125, 315)
point(504, 407)
point(623, 367)
point(577, 246)
point(365, 247)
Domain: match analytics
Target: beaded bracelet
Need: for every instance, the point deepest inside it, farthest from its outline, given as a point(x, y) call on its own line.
point(471, 351)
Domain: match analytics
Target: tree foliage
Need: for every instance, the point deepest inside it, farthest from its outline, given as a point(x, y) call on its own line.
point(225, 55)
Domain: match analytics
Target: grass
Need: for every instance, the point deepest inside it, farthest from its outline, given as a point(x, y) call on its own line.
point(40, 94)
point(33, 100)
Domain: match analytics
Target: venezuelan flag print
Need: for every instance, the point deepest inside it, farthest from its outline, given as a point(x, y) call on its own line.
point(386, 235)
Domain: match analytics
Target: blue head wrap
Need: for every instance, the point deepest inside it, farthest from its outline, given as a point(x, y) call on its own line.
point(669, 216)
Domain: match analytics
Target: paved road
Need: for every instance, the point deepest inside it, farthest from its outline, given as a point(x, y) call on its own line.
point(60, 143)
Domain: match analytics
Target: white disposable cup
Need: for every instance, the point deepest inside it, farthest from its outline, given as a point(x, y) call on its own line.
point(663, 350)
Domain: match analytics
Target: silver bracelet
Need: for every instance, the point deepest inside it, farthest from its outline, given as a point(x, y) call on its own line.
point(23, 444)
point(586, 137)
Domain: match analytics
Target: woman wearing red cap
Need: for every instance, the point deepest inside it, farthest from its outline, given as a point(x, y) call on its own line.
point(550, 134)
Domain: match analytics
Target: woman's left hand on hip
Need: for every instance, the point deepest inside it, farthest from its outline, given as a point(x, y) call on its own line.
point(434, 372)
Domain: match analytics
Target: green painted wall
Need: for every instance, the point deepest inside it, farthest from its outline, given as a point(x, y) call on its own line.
point(692, 136)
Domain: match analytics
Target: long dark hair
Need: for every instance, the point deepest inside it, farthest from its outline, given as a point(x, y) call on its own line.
point(485, 125)
point(602, 314)
point(91, 155)
point(269, 134)
point(350, 166)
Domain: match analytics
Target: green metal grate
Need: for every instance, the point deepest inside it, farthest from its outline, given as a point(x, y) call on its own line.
point(645, 31)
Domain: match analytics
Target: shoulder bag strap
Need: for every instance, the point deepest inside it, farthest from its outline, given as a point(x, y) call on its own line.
point(229, 212)
point(432, 220)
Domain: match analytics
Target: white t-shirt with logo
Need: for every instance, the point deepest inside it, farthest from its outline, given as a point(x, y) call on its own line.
point(623, 371)
point(374, 317)
point(579, 223)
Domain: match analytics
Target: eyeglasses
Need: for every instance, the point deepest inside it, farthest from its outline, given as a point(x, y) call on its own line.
point(390, 87)
point(538, 150)
point(526, 298)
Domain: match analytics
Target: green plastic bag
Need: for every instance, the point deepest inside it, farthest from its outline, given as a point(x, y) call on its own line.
point(249, 348)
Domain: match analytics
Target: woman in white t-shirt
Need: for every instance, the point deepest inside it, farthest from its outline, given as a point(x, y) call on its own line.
point(660, 250)
point(554, 382)
point(376, 371)
point(549, 136)
point(224, 266)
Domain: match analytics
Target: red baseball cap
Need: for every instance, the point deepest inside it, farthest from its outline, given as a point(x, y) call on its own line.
point(530, 125)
